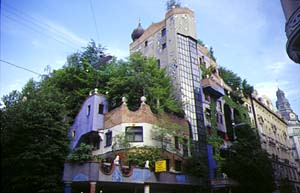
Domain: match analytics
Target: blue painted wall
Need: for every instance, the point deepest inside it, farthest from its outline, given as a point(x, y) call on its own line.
point(86, 122)
point(211, 162)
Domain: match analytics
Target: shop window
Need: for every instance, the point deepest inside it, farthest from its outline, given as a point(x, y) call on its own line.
point(134, 134)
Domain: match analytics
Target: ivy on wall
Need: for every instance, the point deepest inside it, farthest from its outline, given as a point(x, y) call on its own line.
point(243, 116)
point(214, 139)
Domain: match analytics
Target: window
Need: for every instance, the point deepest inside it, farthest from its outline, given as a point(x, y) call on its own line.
point(177, 165)
point(176, 142)
point(158, 63)
point(108, 138)
point(185, 148)
point(146, 43)
point(164, 45)
point(73, 133)
point(100, 109)
point(163, 32)
point(88, 110)
point(134, 134)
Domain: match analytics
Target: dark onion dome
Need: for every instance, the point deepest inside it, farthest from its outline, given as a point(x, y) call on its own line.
point(137, 32)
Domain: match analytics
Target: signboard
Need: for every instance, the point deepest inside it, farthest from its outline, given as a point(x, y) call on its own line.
point(161, 166)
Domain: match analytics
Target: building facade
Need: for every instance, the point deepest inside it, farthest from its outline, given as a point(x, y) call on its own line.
point(120, 138)
point(274, 138)
point(291, 9)
point(173, 42)
point(285, 110)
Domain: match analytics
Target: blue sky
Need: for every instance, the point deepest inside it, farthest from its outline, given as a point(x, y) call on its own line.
point(247, 36)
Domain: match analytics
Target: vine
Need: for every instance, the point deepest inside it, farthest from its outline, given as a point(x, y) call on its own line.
point(214, 139)
point(244, 117)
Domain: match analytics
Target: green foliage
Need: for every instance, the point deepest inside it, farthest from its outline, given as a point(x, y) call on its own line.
point(230, 78)
point(207, 71)
point(200, 42)
point(214, 140)
point(197, 166)
point(249, 164)
point(81, 154)
point(211, 54)
point(139, 156)
point(172, 3)
point(121, 142)
point(242, 115)
point(165, 130)
point(33, 140)
point(138, 77)
point(34, 122)
point(247, 89)
point(285, 186)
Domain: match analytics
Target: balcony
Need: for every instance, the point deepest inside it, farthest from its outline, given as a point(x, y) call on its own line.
point(291, 10)
point(212, 87)
point(111, 173)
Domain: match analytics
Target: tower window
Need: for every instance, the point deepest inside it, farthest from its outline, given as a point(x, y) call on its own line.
point(163, 32)
point(134, 134)
point(100, 109)
point(146, 43)
point(164, 45)
point(88, 110)
point(73, 133)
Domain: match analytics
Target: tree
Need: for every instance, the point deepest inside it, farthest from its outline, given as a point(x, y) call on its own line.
point(230, 78)
point(138, 77)
point(172, 3)
point(35, 122)
point(247, 163)
point(33, 140)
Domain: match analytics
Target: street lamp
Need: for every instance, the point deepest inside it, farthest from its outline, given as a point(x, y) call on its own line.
point(236, 126)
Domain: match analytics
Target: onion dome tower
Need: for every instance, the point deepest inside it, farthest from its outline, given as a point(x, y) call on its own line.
point(137, 32)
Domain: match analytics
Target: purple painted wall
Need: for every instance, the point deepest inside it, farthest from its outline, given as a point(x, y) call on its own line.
point(88, 119)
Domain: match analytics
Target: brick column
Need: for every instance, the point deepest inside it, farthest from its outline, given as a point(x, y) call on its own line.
point(92, 187)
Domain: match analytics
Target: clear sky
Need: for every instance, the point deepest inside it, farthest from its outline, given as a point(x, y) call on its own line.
point(247, 37)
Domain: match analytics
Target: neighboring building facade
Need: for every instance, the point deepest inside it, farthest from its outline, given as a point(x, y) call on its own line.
point(103, 130)
point(272, 130)
point(291, 9)
point(285, 110)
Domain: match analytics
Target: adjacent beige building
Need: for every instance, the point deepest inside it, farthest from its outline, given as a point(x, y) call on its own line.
point(273, 133)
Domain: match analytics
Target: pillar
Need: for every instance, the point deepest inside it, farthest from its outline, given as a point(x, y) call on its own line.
point(67, 187)
point(147, 188)
point(92, 187)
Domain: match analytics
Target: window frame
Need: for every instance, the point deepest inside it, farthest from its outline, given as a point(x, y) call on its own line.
point(108, 138)
point(134, 134)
